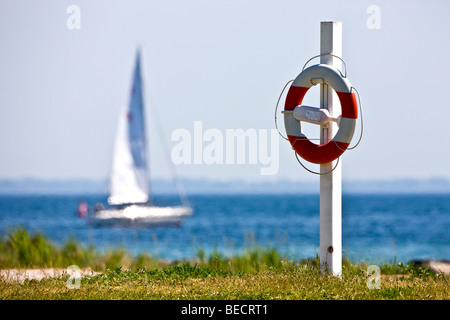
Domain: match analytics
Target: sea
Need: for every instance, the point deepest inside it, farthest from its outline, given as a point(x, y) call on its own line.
point(376, 228)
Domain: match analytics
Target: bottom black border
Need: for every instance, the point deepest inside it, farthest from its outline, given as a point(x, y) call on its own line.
point(222, 309)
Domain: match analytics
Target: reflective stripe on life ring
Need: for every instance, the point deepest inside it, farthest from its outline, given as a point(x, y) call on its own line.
point(333, 149)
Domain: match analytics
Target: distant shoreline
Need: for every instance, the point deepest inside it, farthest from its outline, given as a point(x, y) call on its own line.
point(28, 186)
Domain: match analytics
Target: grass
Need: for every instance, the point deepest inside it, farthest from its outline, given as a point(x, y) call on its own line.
point(19, 249)
point(257, 274)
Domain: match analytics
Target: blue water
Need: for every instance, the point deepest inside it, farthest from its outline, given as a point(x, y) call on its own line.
point(375, 228)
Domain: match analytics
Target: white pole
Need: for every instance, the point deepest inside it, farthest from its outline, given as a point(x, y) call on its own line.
point(331, 183)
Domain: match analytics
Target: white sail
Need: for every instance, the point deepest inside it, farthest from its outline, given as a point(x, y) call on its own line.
point(129, 176)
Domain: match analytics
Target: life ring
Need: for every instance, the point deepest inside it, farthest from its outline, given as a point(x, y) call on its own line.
point(333, 149)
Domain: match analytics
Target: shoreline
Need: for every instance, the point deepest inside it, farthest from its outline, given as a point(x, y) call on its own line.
point(22, 274)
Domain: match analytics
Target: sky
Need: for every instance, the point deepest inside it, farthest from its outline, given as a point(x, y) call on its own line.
point(220, 65)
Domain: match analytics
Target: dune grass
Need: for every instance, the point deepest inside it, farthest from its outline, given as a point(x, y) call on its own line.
point(257, 274)
point(19, 249)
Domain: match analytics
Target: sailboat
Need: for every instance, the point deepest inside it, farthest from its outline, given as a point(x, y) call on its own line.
point(129, 201)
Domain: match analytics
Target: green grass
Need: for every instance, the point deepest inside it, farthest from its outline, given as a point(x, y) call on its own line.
point(19, 249)
point(257, 274)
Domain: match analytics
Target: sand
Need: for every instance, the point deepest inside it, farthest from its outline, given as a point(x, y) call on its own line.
point(19, 275)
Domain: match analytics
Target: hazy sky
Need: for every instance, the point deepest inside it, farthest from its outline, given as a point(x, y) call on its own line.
point(223, 63)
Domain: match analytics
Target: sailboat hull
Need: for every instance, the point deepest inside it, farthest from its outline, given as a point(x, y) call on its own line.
point(141, 216)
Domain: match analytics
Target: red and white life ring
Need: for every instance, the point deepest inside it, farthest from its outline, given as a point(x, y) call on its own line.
point(333, 149)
